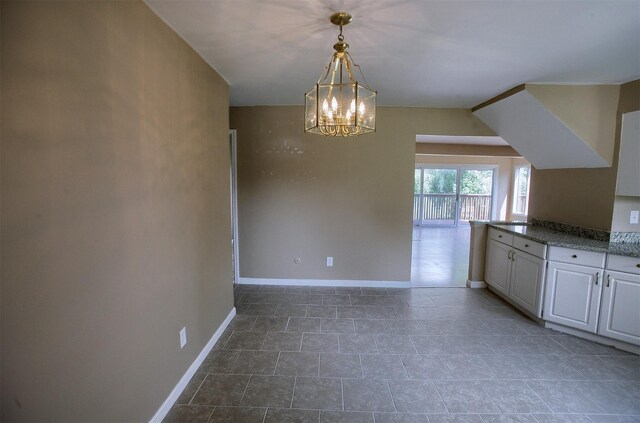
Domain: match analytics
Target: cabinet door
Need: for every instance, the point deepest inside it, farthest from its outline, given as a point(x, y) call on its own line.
point(572, 295)
point(628, 163)
point(527, 277)
point(498, 266)
point(620, 314)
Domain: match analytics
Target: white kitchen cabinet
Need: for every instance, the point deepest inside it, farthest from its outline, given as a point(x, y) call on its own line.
point(517, 275)
point(587, 293)
point(620, 313)
point(527, 280)
point(575, 256)
point(629, 158)
point(498, 266)
point(573, 295)
point(624, 264)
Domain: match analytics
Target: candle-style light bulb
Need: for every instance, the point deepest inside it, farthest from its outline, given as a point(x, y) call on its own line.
point(334, 104)
point(325, 106)
point(361, 108)
point(353, 106)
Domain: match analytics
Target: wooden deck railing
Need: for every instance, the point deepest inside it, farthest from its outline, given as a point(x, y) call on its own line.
point(443, 207)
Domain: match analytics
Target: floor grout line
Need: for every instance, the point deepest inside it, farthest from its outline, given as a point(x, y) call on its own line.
point(538, 348)
point(393, 401)
point(196, 391)
point(245, 390)
point(293, 393)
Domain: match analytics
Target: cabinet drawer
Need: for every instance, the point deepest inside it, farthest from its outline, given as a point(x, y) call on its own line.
point(532, 247)
point(575, 256)
point(501, 236)
point(624, 264)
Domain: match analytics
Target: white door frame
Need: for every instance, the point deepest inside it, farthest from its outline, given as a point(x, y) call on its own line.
point(233, 141)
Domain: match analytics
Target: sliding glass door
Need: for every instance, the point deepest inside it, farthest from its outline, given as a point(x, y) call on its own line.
point(476, 194)
point(448, 196)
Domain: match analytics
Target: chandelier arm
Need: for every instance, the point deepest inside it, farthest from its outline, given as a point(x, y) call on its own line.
point(325, 72)
point(366, 84)
point(348, 66)
point(333, 76)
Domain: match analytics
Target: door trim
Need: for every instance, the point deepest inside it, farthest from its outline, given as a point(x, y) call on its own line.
point(233, 146)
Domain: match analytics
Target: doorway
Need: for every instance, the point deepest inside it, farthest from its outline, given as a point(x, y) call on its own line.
point(449, 196)
point(445, 198)
point(233, 179)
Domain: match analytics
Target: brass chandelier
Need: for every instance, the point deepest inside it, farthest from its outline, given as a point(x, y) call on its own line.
point(338, 104)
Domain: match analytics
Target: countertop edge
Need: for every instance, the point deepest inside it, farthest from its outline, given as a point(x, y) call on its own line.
point(628, 250)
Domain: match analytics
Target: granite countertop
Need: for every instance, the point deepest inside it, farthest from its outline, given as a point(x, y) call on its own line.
point(562, 239)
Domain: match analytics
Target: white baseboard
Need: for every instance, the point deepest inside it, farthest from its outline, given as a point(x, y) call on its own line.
point(325, 282)
point(593, 337)
point(184, 380)
point(476, 284)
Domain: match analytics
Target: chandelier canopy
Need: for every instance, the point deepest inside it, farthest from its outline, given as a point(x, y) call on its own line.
point(338, 104)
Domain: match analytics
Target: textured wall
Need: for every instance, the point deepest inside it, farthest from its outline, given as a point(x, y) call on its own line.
point(583, 197)
point(115, 210)
point(466, 150)
point(311, 197)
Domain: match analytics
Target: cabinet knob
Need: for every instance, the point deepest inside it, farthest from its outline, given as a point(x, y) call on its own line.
point(638, 265)
point(574, 256)
point(499, 236)
point(526, 245)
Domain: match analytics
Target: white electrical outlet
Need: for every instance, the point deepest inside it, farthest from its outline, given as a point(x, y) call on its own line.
point(635, 216)
point(183, 337)
point(329, 261)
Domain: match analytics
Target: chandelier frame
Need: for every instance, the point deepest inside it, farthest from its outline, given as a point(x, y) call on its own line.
point(339, 105)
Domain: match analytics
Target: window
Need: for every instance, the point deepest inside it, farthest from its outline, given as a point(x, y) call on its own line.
point(521, 189)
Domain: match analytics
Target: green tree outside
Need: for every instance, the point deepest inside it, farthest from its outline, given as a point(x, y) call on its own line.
point(443, 181)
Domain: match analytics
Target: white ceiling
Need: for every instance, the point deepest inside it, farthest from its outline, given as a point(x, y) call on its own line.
point(414, 52)
point(455, 139)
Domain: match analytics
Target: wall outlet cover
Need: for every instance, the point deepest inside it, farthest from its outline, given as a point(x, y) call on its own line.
point(635, 216)
point(183, 337)
point(329, 261)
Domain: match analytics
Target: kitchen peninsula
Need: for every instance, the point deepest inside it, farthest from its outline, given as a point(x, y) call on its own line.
point(570, 279)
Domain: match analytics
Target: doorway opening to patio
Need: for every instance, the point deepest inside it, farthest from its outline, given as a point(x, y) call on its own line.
point(445, 199)
point(452, 196)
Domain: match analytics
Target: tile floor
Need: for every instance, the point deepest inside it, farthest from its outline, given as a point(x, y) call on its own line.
point(440, 256)
point(430, 355)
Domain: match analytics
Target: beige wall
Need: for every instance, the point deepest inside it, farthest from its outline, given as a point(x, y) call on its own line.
point(115, 210)
point(621, 212)
point(311, 197)
point(583, 197)
point(588, 110)
point(477, 252)
point(466, 150)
